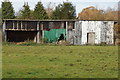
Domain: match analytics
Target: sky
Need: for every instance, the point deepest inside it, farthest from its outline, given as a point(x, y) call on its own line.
point(79, 4)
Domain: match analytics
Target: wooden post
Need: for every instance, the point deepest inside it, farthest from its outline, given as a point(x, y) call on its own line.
point(17, 25)
point(13, 25)
point(26, 25)
point(4, 32)
point(62, 25)
point(42, 27)
point(4, 26)
point(35, 39)
point(38, 33)
point(37, 25)
point(21, 25)
point(66, 31)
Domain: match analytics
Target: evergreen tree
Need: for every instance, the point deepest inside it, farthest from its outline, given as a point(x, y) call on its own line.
point(7, 10)
point(40, 12)
point(57, 13)
point(25, 12)
point(64, 11)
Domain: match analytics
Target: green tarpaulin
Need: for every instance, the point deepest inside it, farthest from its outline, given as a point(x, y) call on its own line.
point(54, 34)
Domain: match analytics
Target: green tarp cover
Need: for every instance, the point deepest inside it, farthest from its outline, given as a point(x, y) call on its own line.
point(53, 35)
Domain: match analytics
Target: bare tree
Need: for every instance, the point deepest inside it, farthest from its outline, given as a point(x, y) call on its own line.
point(50, 8)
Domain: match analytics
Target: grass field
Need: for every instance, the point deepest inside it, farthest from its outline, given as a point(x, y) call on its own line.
point(60, 61)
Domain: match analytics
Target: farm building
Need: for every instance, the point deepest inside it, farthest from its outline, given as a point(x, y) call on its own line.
point(76, 32)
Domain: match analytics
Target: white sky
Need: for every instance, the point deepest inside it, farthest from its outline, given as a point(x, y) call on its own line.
point(80, 4)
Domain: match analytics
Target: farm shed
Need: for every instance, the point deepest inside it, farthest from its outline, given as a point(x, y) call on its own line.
point(76, 32)
point(35, 30)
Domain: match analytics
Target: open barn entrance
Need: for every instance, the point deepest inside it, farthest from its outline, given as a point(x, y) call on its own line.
point(21, 36)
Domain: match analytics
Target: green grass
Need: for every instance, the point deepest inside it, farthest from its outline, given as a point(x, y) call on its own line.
point(60, 61)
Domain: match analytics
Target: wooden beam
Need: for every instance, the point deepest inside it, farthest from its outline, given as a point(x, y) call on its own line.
point(62, 25)
point(17, 25)
point(26, 25)
point(35, 39)
point(38, 33)
point(21, 25)
point(4, 26)
point(13, 25)
point(38, 26)
point(4, 32)
point(42, 27)
point(66, 31)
